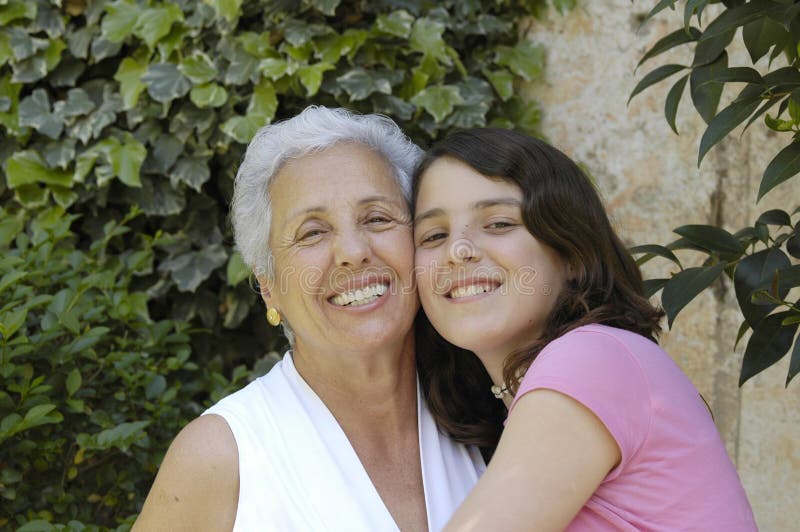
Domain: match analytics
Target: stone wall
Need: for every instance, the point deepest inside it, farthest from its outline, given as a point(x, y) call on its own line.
point(651, 184)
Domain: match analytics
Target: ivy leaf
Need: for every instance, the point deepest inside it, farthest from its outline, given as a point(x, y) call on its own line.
point(155, 23)
point(237, 270)
point(326, 7)
point(227, 9)
point(198, 67)
point(785, 165)
point(502, 81)
point(685, 286)
point(157, 198)
point(34, 111)
point(526, 59)
point(28, 167)
point(76, 104)
point(119, 21)
point(126, 160)
point(60, 153)
point(311, 76)
point(426, 37)
point(274, 68)
point(242, 128)
point(16, 9)
point(191, 170)
point(209, 95)
point(359, 84)
point(129, 75)
point(263, 103)
point(165, 82)
point(397, 23)
point(192, 268)
point(439, 101)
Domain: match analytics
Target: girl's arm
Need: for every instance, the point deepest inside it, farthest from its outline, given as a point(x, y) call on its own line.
point(553, 455)
point(197, 486)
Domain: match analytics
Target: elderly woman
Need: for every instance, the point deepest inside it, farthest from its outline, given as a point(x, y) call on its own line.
point(336, 435)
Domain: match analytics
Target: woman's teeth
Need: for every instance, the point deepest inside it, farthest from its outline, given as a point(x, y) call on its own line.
point(360, 297)
point(470, 290)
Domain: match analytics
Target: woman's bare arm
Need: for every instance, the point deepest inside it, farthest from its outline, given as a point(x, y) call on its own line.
point(553, 455)
point(197, 486)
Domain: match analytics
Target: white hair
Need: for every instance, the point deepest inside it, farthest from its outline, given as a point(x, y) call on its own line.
point(311, 131)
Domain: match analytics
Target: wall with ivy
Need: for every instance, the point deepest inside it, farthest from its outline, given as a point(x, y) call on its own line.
point(123, 309)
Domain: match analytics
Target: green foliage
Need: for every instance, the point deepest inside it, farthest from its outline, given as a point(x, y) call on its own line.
point(756, 258)
point(125, 310)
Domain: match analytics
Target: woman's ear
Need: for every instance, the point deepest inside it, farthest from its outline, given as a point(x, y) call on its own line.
point(264, 288)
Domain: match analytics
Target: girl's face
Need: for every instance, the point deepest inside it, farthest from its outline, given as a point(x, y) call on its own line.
point(486, 284)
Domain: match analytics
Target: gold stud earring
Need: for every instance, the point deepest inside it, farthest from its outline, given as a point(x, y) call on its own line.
point(273, 316)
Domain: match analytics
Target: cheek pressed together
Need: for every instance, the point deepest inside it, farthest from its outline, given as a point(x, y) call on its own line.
point(485, 282)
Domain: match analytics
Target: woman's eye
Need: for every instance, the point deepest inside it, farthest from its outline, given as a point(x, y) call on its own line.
point(378, 219)
point(311, 234)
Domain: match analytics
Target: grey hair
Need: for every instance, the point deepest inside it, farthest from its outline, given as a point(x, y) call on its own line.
point(311, 131)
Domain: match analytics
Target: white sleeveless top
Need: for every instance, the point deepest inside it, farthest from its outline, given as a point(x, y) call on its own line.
point(298, 471)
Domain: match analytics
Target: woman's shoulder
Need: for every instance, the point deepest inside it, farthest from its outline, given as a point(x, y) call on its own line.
point(198, 481)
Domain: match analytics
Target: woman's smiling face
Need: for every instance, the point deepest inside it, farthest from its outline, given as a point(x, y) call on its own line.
point(343, 252)
point(486, 284)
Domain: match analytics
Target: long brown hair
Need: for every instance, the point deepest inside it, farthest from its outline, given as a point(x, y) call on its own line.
point(562, 209)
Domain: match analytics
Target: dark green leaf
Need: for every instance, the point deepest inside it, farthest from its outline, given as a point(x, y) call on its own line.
point(655, 76)
point(676, 38)
point(503, 82)
point(119, 20)
point(34, 111)
point(793, 246)
point(193, 171)
point(73, 382)
point(156, 387)
point(784, 166)
point(732, 18)
point(753, 273)
point(661, 5)
point(154, 23)
point(652, 286)
point(787, 278)
point(672, 101)
point(794, 364)
point(769, 343)
point(157, 198)
point(28, 167)
point(237, 270)
point(708, 51)
point(192, 268)
point(712, 238)
point(761, 35)
point(426, 37)
point(704, 88)
point(743, 328)
point(725, 122)
point(654, 250)
point(198, 68)
point(165, 82)
point(526, 59)
point(438, 101)
point(685, 286)
point(775, 217)
point(76, 104)
point(397, 23)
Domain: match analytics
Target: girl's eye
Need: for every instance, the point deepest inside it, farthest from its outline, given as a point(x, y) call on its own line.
point(499, 225)
point(433, 238)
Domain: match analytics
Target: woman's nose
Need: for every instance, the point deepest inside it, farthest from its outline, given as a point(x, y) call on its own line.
point(351, 248)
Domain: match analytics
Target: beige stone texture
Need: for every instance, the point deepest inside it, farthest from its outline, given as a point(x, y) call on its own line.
point(651, 183)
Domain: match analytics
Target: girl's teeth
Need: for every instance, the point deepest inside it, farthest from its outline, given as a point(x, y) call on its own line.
point(470, 290)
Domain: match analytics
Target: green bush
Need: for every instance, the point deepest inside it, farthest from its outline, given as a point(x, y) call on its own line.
point(123, 309)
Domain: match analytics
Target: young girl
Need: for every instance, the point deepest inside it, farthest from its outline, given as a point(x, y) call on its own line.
point(518, 264)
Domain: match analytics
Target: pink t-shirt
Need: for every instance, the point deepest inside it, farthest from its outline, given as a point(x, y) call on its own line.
point(675, 473)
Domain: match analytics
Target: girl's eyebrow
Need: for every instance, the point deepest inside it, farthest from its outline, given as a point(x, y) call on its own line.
point(478, 205)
